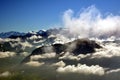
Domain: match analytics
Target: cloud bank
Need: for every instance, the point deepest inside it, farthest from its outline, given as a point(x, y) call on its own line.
point(110, 50)
point(83, 69)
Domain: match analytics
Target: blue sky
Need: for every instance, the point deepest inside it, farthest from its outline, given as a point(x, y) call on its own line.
point(27, 15)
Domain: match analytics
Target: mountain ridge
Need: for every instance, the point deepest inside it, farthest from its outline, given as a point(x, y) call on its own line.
point(43, 33)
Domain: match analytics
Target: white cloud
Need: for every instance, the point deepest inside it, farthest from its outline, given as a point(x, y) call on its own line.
point(34, 37)
point(17, 42)
point(23, 44)
point(113, 71)
point(34, 63)
point(91, 23)
point(7, 54)
point(59, 64)
point(52, 36)
point(1, 40)
point(113, 74)
point(8, 39)
point(83, 69)
point(70, 56)
point(42, 56)
point(109, 50)
point(24, 53)
point(5, 74)
point(61, 39)
point(40, 41)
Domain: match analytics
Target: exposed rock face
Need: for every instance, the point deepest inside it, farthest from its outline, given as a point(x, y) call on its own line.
point(79, 46)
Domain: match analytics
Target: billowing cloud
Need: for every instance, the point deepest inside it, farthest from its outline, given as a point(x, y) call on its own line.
point(91, 23)
point(109, 50)
point(7, 54)
point(83, 69)
point(69, 56)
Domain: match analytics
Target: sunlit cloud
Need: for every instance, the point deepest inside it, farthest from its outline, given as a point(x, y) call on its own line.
point(92, 23)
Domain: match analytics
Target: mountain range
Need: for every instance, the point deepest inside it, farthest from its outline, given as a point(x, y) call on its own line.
point(43, 33)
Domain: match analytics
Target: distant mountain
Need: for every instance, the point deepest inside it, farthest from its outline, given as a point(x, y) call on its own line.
point(8, 34)
point(14, 34)
point(43, 33)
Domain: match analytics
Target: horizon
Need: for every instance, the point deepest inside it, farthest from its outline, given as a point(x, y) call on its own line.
point(34, 15)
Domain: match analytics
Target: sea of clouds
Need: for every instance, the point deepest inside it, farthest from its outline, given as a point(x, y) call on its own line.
point(104, 64)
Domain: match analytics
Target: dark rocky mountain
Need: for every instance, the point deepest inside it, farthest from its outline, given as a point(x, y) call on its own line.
point(79, 46)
